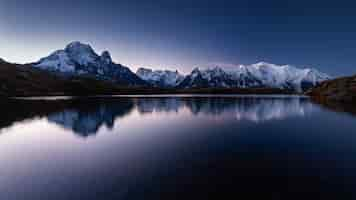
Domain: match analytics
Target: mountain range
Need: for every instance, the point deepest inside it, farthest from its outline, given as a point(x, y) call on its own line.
point(161, 78)
point(260, 75)
point(78, 60)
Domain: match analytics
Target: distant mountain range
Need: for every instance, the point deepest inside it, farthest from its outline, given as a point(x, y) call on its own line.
point(79, 60)
point(161, 78)
point(260, 75)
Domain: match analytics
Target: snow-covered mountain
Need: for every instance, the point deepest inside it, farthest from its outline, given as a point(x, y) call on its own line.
point(160, 78)
point(218, 78)
point(81, 59)
point(257, 75)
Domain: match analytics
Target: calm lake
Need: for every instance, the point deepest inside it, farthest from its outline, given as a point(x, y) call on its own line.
point(181, 147)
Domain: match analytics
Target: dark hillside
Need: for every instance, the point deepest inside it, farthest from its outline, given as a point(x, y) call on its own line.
point(24, 80)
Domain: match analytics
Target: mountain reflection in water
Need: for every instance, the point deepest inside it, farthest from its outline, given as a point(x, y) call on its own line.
point(86, 116)
point(273, 147)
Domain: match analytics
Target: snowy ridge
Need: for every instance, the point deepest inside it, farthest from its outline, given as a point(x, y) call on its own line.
point(160, 78)
point(58, 61)
point(256, 75)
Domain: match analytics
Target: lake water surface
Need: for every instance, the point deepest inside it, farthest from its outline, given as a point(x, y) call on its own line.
point(273, 147)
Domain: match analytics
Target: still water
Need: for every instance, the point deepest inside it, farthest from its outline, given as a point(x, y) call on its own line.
point(274, 147)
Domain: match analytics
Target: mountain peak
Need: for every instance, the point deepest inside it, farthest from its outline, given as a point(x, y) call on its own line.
point(83, 54)
point(217, 69)
point(160, 78)
point(106, 57)
point(264, 64)
point(80, 59)
point(196, 70)
point(77, 45)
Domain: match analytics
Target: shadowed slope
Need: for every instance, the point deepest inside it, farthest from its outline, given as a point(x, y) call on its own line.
point(24, 80)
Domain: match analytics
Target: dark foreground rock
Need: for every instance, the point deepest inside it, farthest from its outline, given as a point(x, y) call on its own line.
point(338, 95)
point(25, 80)
point(341, 90)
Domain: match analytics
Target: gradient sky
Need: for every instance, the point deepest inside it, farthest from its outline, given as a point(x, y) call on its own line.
point(186, 33)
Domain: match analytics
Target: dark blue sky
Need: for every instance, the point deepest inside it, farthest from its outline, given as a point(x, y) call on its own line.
point(184, 34)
